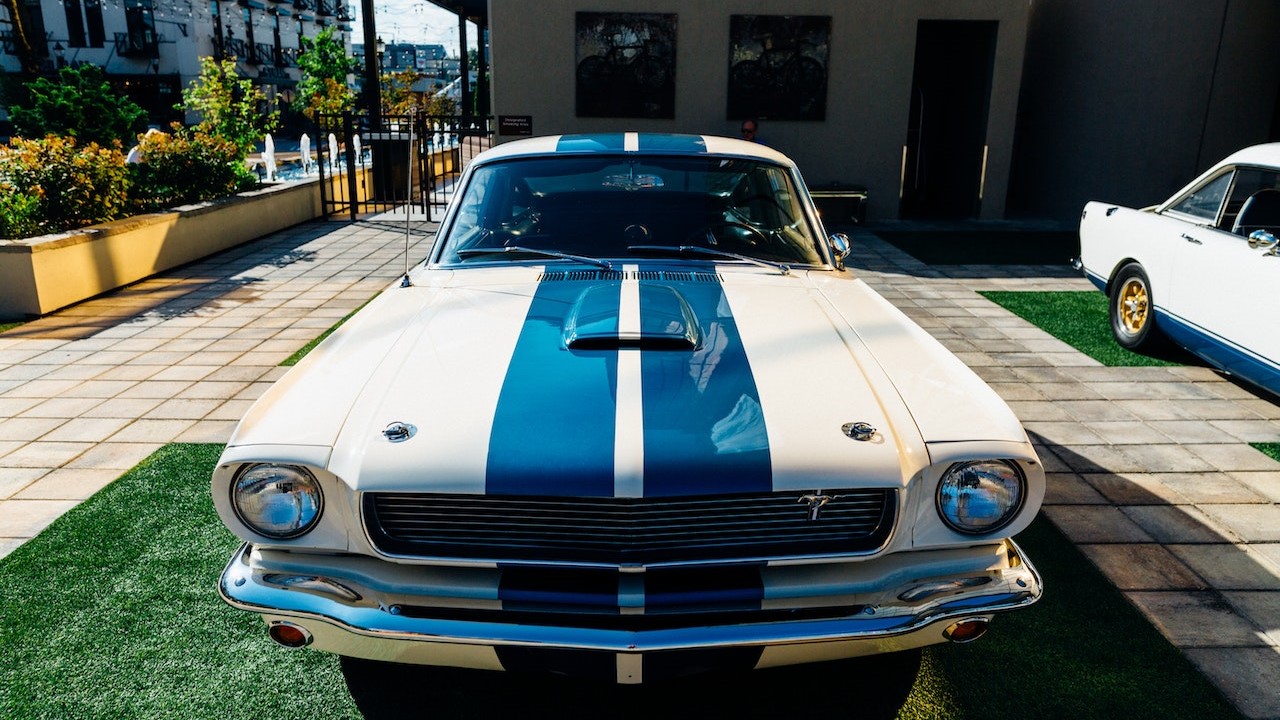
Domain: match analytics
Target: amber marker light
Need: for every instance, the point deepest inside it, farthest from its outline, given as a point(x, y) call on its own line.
point(288, 634)
point(967, 630)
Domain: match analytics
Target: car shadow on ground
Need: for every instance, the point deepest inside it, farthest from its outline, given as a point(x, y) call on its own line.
point(870, 688)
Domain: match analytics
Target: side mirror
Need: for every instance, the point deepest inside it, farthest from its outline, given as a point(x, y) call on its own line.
point(1262, 239)
point(840, 248)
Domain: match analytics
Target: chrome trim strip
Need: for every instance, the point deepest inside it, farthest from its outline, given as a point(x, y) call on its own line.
point(242, 588)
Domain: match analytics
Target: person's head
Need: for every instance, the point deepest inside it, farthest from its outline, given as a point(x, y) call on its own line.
point(749, 128)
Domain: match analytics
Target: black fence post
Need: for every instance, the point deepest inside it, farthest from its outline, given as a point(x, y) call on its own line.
point(348, 132)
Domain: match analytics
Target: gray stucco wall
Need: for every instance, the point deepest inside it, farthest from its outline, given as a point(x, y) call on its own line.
point(870, 74)
point(1127, 102)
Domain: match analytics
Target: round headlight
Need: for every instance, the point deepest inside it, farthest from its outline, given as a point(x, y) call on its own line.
point(980, 496)
point(278, 501)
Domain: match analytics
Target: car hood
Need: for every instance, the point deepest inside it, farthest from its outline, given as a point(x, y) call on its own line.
point(532, 381)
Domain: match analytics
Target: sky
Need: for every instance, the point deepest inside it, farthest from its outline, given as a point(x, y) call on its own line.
point(411, 21)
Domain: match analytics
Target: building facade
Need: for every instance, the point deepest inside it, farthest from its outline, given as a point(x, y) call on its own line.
point(151, 49)
point(941, 109)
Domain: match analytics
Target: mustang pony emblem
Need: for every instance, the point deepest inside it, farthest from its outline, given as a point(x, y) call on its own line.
point(816, 503)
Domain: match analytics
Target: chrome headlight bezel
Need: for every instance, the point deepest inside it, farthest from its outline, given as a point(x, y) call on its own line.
point(301, 483)
point(1011, 479)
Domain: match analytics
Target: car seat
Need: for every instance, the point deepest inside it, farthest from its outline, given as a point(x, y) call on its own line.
point(1260, 212)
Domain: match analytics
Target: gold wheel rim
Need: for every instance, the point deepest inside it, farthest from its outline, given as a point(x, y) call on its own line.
point(1133, 306)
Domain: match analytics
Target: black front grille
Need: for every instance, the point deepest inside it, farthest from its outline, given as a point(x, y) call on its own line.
point(627, 530)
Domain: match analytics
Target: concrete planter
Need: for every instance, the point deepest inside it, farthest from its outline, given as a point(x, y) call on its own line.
point(41, 274)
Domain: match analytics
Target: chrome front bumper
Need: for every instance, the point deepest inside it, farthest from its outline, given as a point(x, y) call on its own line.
point(357, 606)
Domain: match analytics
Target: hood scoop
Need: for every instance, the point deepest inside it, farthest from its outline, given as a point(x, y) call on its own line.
point(662, 321)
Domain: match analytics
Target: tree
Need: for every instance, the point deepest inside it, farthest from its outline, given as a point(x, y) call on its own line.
point(80, 104)
point(398, 95)
point(324, 66)
point(22, 46)
point(230, 106)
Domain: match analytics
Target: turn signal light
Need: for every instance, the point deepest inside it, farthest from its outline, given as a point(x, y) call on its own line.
point(289, 635)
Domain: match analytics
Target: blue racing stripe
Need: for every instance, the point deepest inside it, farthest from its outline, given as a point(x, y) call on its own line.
point(1220, 352)
point(662, 143)
point(604, 142)
point(553, 429)
point(704, 431)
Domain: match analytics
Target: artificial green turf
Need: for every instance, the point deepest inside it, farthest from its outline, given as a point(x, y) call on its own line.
point(1271, 449)
point(113, 612)
point(294, 358)
point(1081, 652)
point(1078, 318)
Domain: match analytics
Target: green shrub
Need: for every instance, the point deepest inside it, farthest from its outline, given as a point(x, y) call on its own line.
point(72, 186)
point(80, 103)
point(186, 166)
point(19, 213)
point(228, 104)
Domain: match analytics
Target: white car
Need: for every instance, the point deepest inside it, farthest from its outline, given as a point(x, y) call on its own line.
point(632, 419)
point(1198, 268)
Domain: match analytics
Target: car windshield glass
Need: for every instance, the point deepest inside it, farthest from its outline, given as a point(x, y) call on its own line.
point(631, 207)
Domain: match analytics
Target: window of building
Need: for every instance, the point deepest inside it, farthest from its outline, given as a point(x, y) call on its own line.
point(76, 36)
point(33, 18)
point(140, 23)
point(218, 40)
point(84, 23)
point(250, 46)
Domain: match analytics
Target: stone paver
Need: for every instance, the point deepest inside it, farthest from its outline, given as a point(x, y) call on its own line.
point(1150, 471)
point(91, 390)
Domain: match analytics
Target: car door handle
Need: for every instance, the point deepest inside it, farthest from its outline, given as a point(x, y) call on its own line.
point(1190, 239)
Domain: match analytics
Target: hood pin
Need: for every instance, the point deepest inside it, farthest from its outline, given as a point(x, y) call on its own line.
point(398, 432)
point(859, 430)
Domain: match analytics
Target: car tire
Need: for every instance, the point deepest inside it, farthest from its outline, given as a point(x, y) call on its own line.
point(1132, 309)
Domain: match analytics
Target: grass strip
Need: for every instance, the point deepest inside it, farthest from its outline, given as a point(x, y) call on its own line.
point(1078, 318)
point(294, 358)
point(1083, 651)
point(113, 612)
point(4, 327)
point(1270, 449)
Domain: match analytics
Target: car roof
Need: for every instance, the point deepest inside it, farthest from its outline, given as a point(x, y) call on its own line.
point(1267, 155)
point(632, 142)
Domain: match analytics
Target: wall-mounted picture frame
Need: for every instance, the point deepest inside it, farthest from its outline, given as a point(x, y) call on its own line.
point(778, 66)
point(626, 65)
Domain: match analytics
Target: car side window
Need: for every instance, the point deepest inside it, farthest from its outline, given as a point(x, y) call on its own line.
point(1248, 182)
point(1205, 201)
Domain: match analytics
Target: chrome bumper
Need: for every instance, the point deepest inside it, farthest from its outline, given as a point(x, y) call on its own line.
point(315, 591)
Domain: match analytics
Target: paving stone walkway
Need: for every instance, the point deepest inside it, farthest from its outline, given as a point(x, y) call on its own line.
point(89, 391)
point(1150, 471)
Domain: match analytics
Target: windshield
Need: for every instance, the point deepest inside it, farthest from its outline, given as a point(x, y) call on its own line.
point(631, 207)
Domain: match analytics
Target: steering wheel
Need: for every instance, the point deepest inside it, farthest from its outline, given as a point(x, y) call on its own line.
point(759, 236)
point(786, 212)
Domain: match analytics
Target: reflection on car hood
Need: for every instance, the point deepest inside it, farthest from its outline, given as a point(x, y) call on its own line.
point(629, 384)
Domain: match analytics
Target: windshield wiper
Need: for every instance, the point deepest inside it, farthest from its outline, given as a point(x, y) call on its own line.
point(700, 250)
point(468, 252)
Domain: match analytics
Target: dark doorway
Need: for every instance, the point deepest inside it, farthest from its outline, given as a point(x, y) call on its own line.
point(945, 154)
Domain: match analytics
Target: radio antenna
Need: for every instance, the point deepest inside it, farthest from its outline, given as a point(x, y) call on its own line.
point(408, 197)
